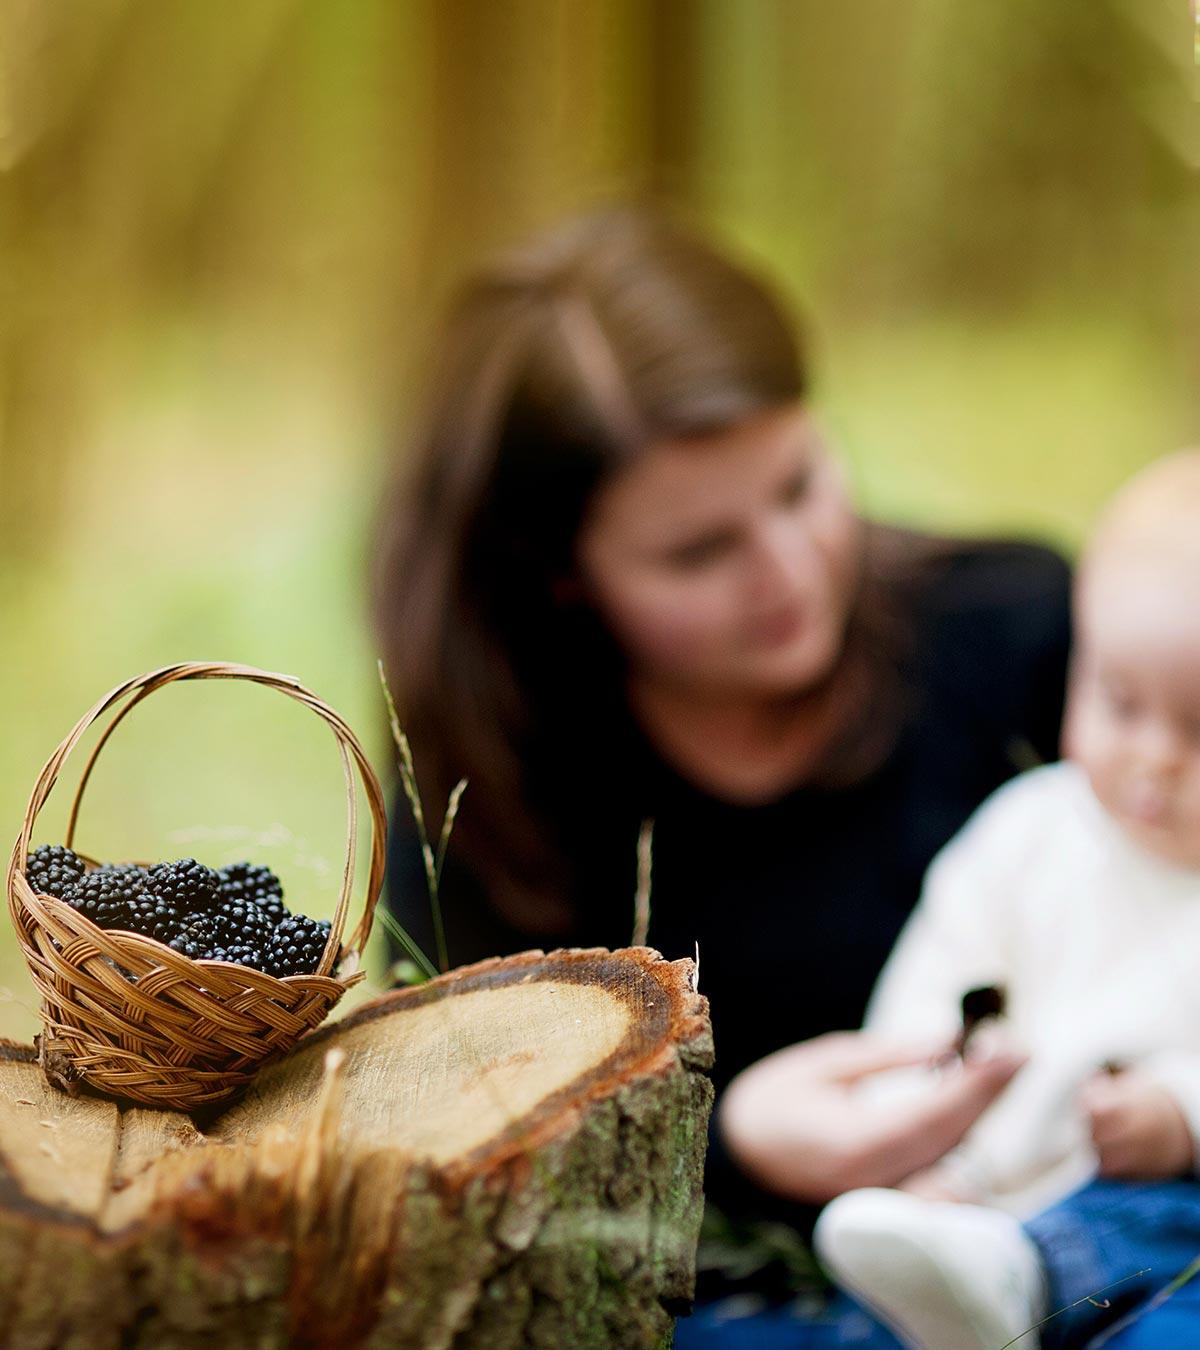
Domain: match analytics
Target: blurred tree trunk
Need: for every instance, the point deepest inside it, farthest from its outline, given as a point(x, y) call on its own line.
point(292, 187)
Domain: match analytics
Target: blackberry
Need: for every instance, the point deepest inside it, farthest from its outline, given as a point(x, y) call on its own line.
point(297, 946)
point(242, 921)
point(241, 953)
point(157, 917)
point(203, 937)
point(52, 869)
point(107, 895)
point(196, 936)
point(185, 886)
point(252, 881)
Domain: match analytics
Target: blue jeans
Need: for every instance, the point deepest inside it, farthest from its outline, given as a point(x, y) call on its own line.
point(1111, 1249)
point(1122, 1244)
point(735, 1324)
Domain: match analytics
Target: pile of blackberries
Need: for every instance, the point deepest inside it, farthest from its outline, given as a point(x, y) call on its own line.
point(233, 914)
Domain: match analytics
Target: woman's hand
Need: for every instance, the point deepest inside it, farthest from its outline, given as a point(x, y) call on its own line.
point(1138, 1128)
point(795, 1122)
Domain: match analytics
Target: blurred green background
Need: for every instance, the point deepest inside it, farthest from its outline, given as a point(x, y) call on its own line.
point(226, 233)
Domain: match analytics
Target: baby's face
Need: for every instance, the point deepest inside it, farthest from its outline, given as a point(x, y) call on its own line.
point(1133, 717)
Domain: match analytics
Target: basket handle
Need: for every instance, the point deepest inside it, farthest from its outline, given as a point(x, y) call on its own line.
point(349, 748)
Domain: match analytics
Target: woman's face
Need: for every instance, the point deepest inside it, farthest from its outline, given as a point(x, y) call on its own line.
point(725, 565)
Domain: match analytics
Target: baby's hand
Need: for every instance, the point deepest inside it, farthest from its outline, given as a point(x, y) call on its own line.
point(1137, 1127)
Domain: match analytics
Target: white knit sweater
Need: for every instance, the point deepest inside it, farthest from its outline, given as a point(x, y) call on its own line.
point(1098, 945)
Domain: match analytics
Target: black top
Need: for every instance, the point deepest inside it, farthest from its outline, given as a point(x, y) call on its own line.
point(796, 904)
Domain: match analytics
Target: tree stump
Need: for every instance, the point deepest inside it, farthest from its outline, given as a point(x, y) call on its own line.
point(510, 1155)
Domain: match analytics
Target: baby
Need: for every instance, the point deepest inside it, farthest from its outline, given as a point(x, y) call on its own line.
point(1077, 888)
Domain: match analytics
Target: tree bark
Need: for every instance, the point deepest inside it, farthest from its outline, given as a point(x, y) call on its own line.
point(510, 1155)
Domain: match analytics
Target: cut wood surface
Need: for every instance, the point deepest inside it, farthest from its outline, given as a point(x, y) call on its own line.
point(509, 1155)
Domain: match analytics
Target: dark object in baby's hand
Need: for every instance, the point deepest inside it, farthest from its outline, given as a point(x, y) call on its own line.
point(978, 1005)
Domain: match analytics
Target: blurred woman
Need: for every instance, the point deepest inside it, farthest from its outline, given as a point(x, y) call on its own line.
point(621, 579)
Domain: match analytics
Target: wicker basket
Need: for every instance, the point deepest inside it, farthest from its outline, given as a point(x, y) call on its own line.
point(180, 1033)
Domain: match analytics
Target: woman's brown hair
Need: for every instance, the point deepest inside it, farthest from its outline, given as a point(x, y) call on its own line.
point(561, 362)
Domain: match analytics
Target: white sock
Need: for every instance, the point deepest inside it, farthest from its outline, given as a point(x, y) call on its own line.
point(943, 1276)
